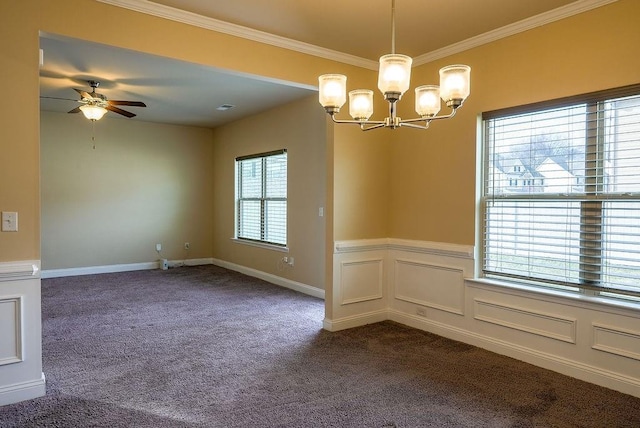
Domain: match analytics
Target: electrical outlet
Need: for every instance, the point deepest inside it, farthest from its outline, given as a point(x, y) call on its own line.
point(421, 311)
point(9, 221)
point(287, 260)
point(158, 247)
point(187, 245)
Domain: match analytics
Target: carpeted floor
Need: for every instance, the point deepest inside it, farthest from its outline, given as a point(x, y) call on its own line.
point(208, 347)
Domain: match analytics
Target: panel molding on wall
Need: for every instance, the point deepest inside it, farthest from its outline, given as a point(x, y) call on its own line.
point(543, 324)
point(429, 284)
point(11, 349)
point(361, 280)
point(21, 376)
point(617, 341)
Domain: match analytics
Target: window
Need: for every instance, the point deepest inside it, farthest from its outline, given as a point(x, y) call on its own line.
point(261, 197)
point(579, 229)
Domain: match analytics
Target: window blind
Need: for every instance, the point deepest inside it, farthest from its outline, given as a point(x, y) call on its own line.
point(261, 197)
point(561, 193)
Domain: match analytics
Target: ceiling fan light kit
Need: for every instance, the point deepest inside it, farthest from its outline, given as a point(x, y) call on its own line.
point(93, 112)
point(394, 77)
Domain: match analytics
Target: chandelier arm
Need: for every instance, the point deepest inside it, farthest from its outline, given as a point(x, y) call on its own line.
point(358, 122)
point(379, 125)
point(429, 119)
point(413, 125)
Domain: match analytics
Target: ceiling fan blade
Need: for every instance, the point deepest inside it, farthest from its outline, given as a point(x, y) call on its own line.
point(119, 111)
point(83, 94)
point(58, 98)
point(75, 110)
point(127, 103)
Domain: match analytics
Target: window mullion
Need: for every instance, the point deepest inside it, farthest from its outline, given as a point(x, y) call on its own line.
point(263, 219)
point(591, 208)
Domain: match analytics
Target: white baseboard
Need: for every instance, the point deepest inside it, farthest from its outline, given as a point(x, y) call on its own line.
point(15, 393)
point(585, 372)
point(283, 282)
point(91, 270)
point(355, 321)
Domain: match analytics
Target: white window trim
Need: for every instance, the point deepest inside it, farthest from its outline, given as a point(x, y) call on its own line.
point(260, 244)
point(582, 298)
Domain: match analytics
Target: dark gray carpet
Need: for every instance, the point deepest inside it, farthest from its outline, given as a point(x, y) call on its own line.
point(208, 347)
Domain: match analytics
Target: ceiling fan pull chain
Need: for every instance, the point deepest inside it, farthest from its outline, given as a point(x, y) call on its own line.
point(93, 133)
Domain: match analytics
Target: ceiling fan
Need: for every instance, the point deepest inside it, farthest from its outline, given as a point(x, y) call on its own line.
point(95, 105)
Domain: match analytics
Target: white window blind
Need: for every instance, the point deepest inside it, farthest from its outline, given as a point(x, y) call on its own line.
point(261, 197)
point(561, 193)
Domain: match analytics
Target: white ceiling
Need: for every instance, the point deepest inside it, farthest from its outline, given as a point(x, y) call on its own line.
point(181, 93)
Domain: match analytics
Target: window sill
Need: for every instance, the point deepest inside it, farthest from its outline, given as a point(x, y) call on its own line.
point(261, 245)
point(598, 303)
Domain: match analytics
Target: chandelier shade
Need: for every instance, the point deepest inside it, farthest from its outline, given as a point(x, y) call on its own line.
point(93, 112)
point(394, 74)
point(427, 100)
point(361, 104)
point(455, 83)
point(394, 79)
point(333, 90)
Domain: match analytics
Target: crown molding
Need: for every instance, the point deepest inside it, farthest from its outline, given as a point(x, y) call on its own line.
point(190, 18)
point(545, 18)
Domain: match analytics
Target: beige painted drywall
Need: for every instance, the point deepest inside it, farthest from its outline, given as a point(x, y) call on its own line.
point(301, 129)
point(19, 132)
point(433, 173)
point(19, 127)
point(144, 183)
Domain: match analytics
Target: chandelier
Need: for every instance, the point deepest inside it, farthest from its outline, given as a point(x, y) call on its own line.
point(393, 81)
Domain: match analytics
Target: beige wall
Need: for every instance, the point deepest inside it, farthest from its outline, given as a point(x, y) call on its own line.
point(433, 173)
point(299, 127)
point(428, 183)
point(19, 132)
point(143, 184)
point(361, 182)
point(19, 137)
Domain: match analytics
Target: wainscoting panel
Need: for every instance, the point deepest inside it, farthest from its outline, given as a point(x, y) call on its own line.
point(542, 324)
point(436, 286)
point(361, 280)
point(617, 341)
point(21, 376)
point(11, 338)
point(431, 286)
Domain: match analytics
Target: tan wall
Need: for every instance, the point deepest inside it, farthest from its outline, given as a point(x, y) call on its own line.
point(19, 127)
point(430, 176)
point(433, 174)
point(19, 132)
point(361, 182)
point(300, 128)
point(143, 184)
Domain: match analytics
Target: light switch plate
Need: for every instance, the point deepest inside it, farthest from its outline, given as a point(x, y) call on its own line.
point(9, 221)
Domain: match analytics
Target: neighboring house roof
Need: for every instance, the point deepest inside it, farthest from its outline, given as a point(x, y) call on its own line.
point(550, 168)
point(506, 166)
